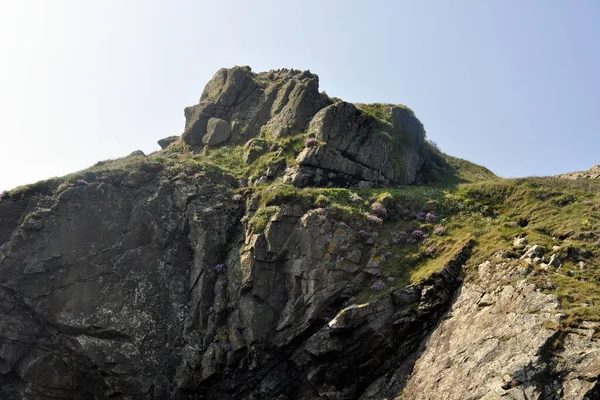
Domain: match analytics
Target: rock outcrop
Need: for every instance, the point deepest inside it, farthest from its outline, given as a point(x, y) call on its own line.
point(281, 101)
point(499, 341)
point(166, 142)
point(355, 148)
point(592, 173)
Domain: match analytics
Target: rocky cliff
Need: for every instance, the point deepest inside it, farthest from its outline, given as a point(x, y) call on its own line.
point(274, 251)
point(353, 145)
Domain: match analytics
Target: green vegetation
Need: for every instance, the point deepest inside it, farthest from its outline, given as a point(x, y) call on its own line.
point(443, 170)
point(261, 217)
point(256, 156)
point(377, 110)
point(113, 170)
point(549, 212)
point(561, 215)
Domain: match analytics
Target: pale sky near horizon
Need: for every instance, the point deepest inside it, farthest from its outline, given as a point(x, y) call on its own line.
point(512, 85)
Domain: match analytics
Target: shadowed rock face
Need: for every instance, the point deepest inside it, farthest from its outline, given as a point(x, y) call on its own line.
point(112, 291)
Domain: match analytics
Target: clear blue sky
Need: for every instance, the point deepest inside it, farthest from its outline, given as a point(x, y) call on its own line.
point(512, 85)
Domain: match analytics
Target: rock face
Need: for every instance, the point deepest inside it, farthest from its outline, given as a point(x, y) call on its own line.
point(217, 132)
point(495, 343)
point(154, 291)
point(356, 148)
point(166, 142)
point(282, 101)
point(101, 275)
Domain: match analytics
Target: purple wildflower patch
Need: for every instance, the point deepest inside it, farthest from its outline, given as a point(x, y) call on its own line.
point(418, 234)
point(420, 215)
point(431, 250)
point(588, 202)
point(226, 346)
point(311, 142)
point(430, 217)
point(379, 285)
point(219, 268)
point(374, 219)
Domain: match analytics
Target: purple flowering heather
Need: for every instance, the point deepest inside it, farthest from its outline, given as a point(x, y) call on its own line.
point(219, 268)
point(418, 234)
point(82, 182)
point(226, 346)
point(311, 142)
point(430, 217)
point(379, 285)
point(431, 250)
point(374, 219)
point(420, 215)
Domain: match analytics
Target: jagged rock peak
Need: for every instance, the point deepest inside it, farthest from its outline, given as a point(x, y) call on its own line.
point(281, 100)
point(358, 145)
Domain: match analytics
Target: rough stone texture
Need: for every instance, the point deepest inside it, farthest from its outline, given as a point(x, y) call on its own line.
point(166, 142)
point(494, 344)
point(96, 289)
point(283, 101)
point(112, 291)
point(137, 153)
point(217, 132)
point(358, 148)
point(520, 243)
point(592, 173)
point(11, 211)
